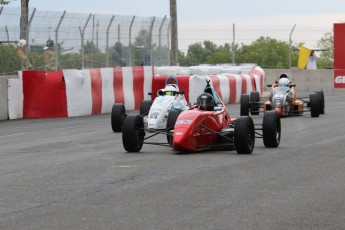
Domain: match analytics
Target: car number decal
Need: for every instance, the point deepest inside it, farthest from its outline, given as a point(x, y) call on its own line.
point(180, 122)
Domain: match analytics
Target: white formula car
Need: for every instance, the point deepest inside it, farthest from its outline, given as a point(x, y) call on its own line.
point(159, 114)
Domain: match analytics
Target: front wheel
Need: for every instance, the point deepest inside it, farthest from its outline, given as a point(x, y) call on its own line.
point(145, 107)
point(133, 133)
point(271, 129)
point(244, 101)
point(244, 135)
point(172, 118)
point(118, 113)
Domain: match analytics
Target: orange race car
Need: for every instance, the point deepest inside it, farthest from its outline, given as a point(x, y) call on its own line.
point(283, 100)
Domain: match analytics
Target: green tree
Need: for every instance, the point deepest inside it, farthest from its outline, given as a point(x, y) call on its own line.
point(199, 53)
point(4, 2)
point(326, 57)
point(222, 55)
point(266, 52)
point(9, 61)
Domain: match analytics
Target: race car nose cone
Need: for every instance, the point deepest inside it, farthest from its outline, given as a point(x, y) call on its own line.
point(279, 111)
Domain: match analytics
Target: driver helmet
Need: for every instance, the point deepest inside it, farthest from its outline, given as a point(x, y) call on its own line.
point(49, 44)
point(284, 82)
point(205, 101)
point(283, 75)
point(170, 90)
point(21, 43)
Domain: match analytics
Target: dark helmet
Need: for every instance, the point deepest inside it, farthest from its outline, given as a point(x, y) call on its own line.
point(283, 75)
point(205, 101)
point(171, 80)
point(50, 43)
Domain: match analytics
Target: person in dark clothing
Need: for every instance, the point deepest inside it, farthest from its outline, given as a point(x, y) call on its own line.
point(146, 59)
point(117, 57)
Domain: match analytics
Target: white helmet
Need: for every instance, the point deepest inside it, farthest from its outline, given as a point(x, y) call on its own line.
point(170, 90)
point(284, 82)
point(21, 43)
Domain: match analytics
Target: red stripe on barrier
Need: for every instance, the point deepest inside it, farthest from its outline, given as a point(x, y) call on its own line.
point(44, 94)
point(96, 90)
point(138, 85)
point(118, 85)
point(183, 85)
point(216, 85)
point(260, 75)
point(158, 82)
point(252, 79)
point(232, 87)
point(244, 84)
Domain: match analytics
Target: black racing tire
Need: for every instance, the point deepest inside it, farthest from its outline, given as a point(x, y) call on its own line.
point(145, 107)
point(118, 113)
point(244, 135)
point(171, 120)
point(133, 133)
point(322, 101)
point(254, 98)
point(314, 105)
point(244, 101)
point(271, 129)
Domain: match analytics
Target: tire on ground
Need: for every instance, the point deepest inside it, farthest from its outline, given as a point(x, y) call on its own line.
point(322, 101)
point(172, 118)
point(255, 102)
point(133, 133)
point(244, 101)
point(314, 105)
point(244, 135)
point(145, 107)
point(118, 113)
point(271, 129)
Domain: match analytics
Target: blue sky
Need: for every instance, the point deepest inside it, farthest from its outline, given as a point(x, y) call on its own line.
point(200, 20)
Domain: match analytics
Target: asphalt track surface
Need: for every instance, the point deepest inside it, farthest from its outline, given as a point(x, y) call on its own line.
point(74, 174)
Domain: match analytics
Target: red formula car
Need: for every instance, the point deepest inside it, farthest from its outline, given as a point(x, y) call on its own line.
point(207, 125)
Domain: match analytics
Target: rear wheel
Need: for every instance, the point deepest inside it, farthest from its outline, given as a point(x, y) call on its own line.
point(271, 129)
point(244, 135)
point(145, 107)
point(254, 103)
point(172, 118)
point(118, 113)
point(244, 101)
point(314, 105)
point(322, 101)
point(133, 133)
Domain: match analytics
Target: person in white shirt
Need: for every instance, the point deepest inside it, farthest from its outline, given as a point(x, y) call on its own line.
point(311, 64)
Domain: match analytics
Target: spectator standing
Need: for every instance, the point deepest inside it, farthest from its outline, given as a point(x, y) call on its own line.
point(146, 59)
point(117, 57)
point(21, 52)
point(311, 64)
point(49, 55)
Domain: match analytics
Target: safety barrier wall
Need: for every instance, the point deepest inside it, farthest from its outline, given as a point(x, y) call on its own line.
point(94, 91)
point(71, 93)
point(305, 80)
point(4, 96)
point(118, 85)
point(68, 93)
point(228, 86)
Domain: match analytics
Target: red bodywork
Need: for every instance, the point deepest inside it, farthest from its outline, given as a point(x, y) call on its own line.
point(197, 128)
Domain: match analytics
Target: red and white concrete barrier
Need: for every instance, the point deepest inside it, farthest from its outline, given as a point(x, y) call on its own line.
point(69, 93)
point(94, 91)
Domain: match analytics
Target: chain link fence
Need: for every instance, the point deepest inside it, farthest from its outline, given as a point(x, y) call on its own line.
point(83, 40)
